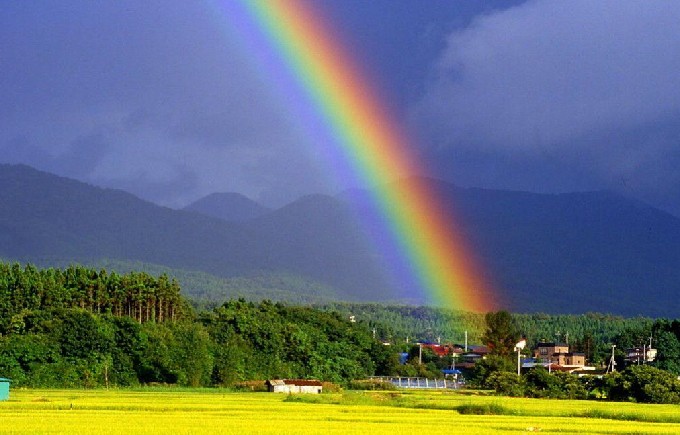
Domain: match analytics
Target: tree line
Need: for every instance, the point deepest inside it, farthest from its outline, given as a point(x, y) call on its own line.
point(136, 294)
point(590, 333)
point(648, 382)
point(81, 327)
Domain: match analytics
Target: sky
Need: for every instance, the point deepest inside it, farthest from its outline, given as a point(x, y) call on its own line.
point(160, 98)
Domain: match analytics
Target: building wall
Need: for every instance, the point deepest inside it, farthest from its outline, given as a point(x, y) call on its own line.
point(291, 389)
point(558, 354)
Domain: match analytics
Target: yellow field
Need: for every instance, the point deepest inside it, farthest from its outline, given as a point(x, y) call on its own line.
point(216, 411)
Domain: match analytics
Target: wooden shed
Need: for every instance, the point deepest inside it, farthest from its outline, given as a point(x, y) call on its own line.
point(294, 386)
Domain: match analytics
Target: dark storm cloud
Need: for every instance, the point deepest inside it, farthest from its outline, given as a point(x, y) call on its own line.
point(561, 95)
point(140, 95)
point(159, 97)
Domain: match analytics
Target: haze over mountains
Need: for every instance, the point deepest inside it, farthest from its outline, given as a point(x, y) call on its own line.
point(232, 207)
point(567, 253)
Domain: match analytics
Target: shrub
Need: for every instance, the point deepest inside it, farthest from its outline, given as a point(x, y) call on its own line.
point(330, 387)
point(645, 384)
point(506, 383)
point(484, 368)
point(251, 386)
point(541, 383)
point(483, 409)
point(370, 384)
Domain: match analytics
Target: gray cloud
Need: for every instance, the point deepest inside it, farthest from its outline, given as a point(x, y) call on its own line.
point(159, 97)
point(154, 97)
point(591, 85)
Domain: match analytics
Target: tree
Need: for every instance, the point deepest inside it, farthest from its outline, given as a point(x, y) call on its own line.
point(506, 383)
point(645, 384)
point(501, 333)
point(485, 368)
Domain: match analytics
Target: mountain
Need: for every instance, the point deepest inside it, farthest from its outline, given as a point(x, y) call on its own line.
point(43, 216)
point(574, 252)
point(318, 236)
point(232, 207)
point(566, 253)
point(52, 220)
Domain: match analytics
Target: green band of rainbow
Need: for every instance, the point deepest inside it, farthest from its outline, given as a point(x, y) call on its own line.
point(378, 150)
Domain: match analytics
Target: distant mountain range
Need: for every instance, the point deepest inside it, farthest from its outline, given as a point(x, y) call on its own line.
point(232, 207)
point(567, 253)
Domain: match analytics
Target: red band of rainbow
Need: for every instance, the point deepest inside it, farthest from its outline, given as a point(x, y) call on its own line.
point(374, 147)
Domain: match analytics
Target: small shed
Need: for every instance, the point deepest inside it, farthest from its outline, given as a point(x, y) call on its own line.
point(294, 386)
point(4, 388)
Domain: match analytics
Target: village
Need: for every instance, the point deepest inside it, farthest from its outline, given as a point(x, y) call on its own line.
point(551, 356)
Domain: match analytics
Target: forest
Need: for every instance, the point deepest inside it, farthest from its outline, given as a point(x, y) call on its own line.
point(82, 327)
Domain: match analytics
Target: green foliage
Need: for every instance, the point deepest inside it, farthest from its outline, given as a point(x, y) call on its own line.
point(501, 333)
point(490, 365)
point(645, 384)
point(400, 324)
point(483, 409)
point(25, 290)
point(558, 385)
point(82, 327)
point(506, 383)
point(667, 336)
point(371, 385)
point(266, 340)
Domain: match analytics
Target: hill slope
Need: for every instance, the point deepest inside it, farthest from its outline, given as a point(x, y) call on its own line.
point(55, 220)
point(577, 252)
point(232, 207)
point(45, 216)
point(569, 253)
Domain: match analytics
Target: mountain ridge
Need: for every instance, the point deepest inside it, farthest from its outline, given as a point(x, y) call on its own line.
point(228, 206)
point(556, 253)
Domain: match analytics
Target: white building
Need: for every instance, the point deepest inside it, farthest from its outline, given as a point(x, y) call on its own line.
point(294, 386)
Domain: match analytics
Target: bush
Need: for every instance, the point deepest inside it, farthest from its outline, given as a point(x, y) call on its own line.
point(645, 384)
point(541, 383)
point(483, 409)
point(486, 367)
point(251, 386)
point(570, 386)
point(506, 383)
point(330, 387)
point(370, 384)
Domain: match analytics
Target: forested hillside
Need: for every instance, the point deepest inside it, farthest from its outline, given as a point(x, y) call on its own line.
point(207, 290)
point(591, 333)
point(87, 327)
point(83, 327)
point(568, 253)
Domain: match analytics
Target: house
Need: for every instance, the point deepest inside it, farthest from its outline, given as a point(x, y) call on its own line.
point(470, 358)
point(558, 354)
point(442, 350)
point(294, 386)
point(639, 355)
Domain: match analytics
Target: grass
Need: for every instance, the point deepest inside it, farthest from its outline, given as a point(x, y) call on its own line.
point(198, 411)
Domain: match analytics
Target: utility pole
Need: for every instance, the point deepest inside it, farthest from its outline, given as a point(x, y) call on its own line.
point(611, 367)
point(465, 341)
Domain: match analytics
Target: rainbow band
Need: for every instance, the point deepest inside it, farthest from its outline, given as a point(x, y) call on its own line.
point(375, 149)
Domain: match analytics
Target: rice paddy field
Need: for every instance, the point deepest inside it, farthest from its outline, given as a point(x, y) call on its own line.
point(177, 411)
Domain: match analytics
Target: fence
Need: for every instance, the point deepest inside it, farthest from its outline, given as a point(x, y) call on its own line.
point(401, 382)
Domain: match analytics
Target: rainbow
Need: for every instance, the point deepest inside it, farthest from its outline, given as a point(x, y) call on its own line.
point(299, 51)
